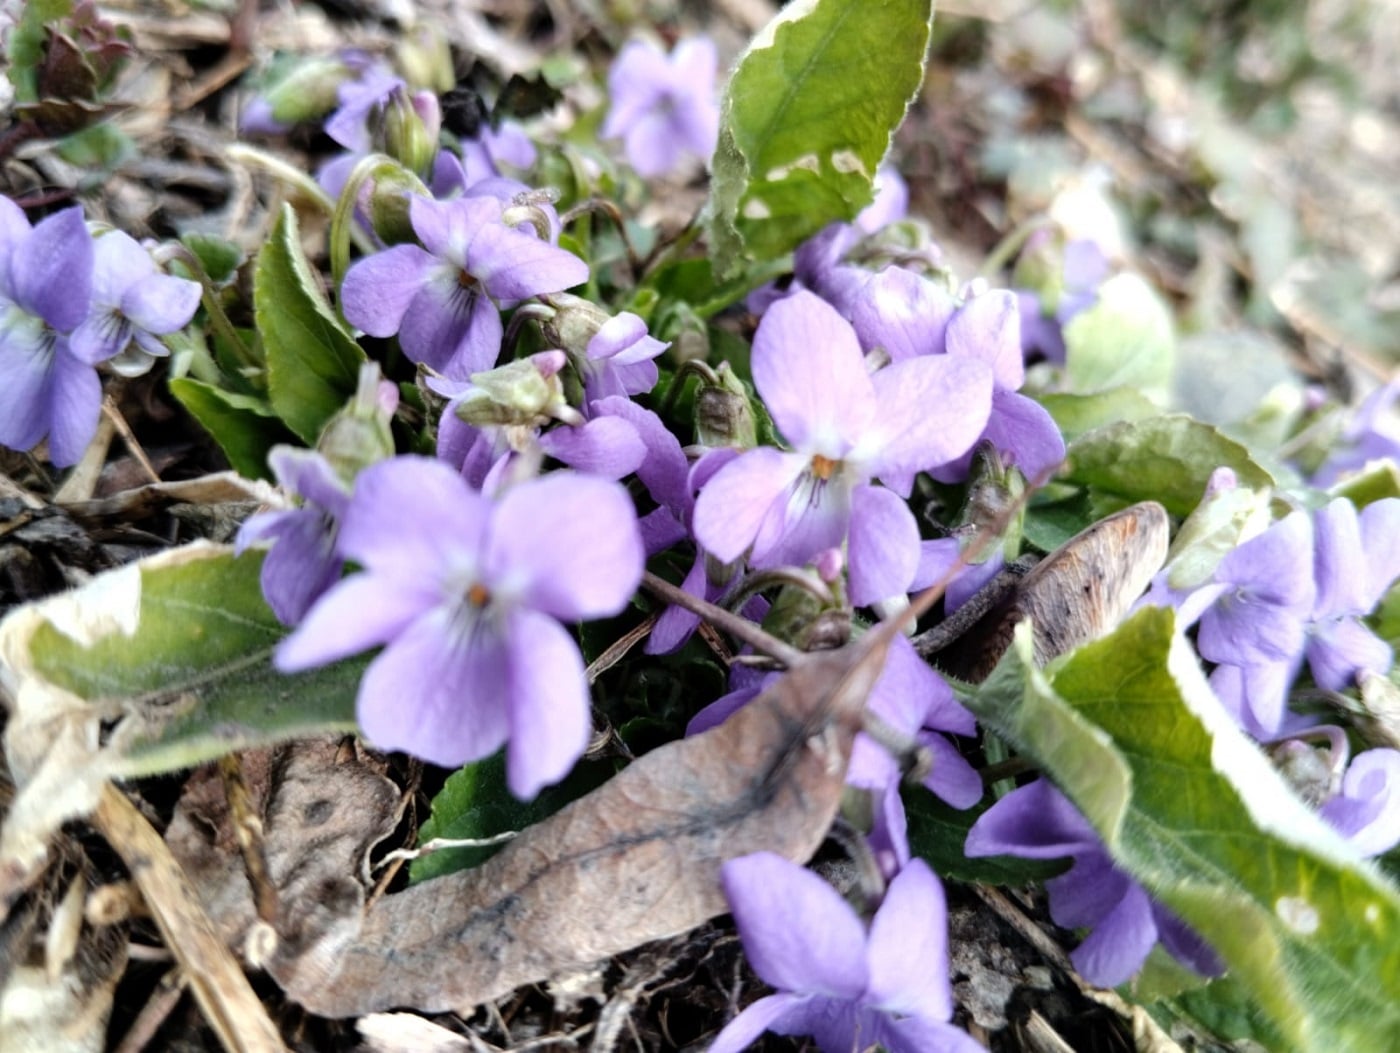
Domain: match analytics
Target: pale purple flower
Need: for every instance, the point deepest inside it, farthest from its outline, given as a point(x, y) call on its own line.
point(619, 359)
point(1372, 434)
point(1036, 821)
point(849, 986)
point(467, 593)
point(303, 562)
point(911, 316)
point(846, 427)
point(1356, 560)
point(664, 107)
point(1042, 332)
point(45, 289)
point(133, 303)
point(444, 299)
point(350, 124)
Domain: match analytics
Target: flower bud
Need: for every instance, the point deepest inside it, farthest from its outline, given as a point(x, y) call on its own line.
point(359, 434)
point(801, 619)
point(723, 412)
point(391, 190)
point(409, 126)
point(527, 392)
point(425, 59)
point(575, 323)
point(308, 92)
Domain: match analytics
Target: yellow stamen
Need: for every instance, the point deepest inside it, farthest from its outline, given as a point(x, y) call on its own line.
point(478, 595)
point(823, 467)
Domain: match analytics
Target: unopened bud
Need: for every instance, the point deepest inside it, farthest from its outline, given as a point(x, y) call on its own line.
point(391, 190)
point(576, 321)
point(359, 434)
point(526, 392)
point(308, 92)
point(723, 412)
point(425, 58)
point(409, 127)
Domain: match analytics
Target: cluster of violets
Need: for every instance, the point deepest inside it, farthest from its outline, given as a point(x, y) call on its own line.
point(471, 565)
point(71, 300)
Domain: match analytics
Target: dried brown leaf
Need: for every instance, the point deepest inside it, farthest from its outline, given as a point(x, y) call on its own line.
point(634, 861)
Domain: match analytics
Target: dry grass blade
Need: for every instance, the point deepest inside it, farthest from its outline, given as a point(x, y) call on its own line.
point(222, 991)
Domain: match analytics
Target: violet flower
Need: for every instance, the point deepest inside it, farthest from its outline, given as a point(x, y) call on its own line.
point(846, 427)
point(303, 562)
point(444, 300)
point(467, 593)
point(45, 289)
point(619, 359)
point(849, 986)
point(1366, 808)
point(133, 304)
point(1372, 434)
point(1036, 821)
point(664, 107)
point(910, 316)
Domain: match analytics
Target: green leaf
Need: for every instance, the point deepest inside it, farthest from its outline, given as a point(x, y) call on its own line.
point(1124, 340)
point(807, 116)
point(1167, 459)
point(474, 804)
point(245, 427)
point(219, 257)
point(1077, 414)
point(182, 644)
point(100, 147)
point(1128, 728)
point(312, 360)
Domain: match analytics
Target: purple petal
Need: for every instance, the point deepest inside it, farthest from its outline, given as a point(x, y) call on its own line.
point(721, 709)
point(903, 312)
point(360, 612)
point(1367, 811)
point(550, 718)
point(161, 304)
point(808, 368)
point(733, 505)
point(27, 360)
point(438, 325)
point(1341, 650)
point(813, 515)
point(664, 471)
point(676, 624)
point(909, 947)
point(75, 406)
point(930, 410)
point(437, 693)
point(1184, 944)
point(52, 269)
point(1339, 561)
point(1088, 891)
point(118, 262)
point(652, 146)
point(695, 119)
point(988, 327)
point(916, 1034)
point(301, 566)
point(514, 265)
point(308, 474)
point(1034, 821)
point(884, 545)
point(605, 446)
point(378, 289)
point(1028, 437)
point(799, 934)
point(569, 543)
point(905, 686)
point(775, 1011)
point(636, 81)
point(1116, 949)
point(951, 778)
point(411, 518)
point(1380, 531)
point(1255, 695)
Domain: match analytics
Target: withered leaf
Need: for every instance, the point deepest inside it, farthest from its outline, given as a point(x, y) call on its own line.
point(1076, 594)
point(634, 861)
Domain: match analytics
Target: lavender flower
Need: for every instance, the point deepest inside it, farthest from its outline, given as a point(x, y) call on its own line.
point(1372, 434)
point(133, 303)
point(848, 986)
point(443, 300)
point(303, 562)
point(846, 427)
point(1036, 821)
point(468, 594)
point(664, 108)
point(45, 289)
point(910, 316)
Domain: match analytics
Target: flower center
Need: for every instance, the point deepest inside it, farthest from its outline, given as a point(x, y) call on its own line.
point(824, 467)
point(465, 280)
point(478, 595)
